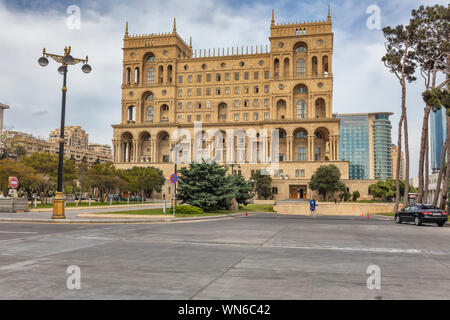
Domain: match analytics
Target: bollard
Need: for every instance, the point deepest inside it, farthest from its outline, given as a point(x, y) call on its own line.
point(89, 201)
point(246, 213)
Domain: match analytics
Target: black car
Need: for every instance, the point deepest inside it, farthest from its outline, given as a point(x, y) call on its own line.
point(422, 213)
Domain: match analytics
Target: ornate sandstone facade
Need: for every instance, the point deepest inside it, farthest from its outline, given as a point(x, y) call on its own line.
point(169, 86)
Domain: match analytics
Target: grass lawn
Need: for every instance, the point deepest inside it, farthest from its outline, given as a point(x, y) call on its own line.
point(257, 208)
point(84, 204)
point(248, 208)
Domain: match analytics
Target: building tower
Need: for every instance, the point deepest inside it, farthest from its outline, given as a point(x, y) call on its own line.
point(437, 138)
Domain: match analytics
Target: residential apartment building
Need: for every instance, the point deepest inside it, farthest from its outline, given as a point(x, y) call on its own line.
point(394, 154)
point(32, 144)
point(74, 137)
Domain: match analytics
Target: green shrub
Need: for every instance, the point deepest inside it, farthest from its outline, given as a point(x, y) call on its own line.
point(188, 210)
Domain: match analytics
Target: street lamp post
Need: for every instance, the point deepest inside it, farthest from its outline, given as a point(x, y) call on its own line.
point(175, 147)
point(65, 61)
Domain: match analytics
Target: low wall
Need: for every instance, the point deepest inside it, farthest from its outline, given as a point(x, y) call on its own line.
point(263, 201)
point(330, 208)
point(10, 205)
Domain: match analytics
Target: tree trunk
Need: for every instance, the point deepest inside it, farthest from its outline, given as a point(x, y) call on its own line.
point(397, 174)
point(441, 174)
point(405, 128)
point(427, 168)
point(423, 148)
point(447, 173)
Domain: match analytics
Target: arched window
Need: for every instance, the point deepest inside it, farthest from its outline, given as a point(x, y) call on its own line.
point(301, 48)
point(131, 114)
point(276, 67)
point(128, 77)
point(150, 97)
point(301, 89)
point(301, 67)
point(149, 114)
point(151, 76)
point(301, 134)
point(136, 75)
point(301, 109)
point(151, 58)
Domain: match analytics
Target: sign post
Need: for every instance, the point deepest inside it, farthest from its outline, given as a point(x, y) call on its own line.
point(13, 182)
point(174, 179)
point(313, 206)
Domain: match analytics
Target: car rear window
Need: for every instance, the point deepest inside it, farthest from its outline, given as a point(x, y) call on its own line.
point(429, 207)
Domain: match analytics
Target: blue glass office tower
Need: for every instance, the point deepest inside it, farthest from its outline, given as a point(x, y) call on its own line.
point(365, 141)
point(354, 145)
point(437, 138)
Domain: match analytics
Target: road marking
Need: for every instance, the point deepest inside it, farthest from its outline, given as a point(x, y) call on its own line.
point(382, 250)
point(18, 265)
point(16, 232)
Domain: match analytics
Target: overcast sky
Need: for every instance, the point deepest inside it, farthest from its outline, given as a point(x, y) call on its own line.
point(362, 83)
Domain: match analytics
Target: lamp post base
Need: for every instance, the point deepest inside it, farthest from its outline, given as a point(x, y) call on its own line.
point(58, 206)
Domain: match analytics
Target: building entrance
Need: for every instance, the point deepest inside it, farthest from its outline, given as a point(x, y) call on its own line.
point(297, 192)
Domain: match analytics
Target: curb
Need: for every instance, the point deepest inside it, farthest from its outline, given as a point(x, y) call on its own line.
point(115, 221)
point(385, 217)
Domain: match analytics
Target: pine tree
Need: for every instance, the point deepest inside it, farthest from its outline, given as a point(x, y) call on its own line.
point(243, 189)
point(206, 185)
point(263, 185)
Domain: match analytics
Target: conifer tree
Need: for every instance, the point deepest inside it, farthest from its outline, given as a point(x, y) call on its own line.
point(206, 185)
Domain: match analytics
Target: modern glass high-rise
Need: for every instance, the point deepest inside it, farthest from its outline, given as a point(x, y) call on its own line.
point(365, 141)
point(437, 138)
point(354, 144)
point(382, 146)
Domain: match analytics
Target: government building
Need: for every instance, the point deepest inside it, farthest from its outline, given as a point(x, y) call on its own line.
point(287, 86)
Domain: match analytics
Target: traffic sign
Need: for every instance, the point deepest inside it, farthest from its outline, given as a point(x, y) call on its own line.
point(312, 205)
point(174, 178)
point(13, 182)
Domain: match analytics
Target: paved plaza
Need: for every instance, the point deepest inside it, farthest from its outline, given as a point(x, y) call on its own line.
point(262, 256)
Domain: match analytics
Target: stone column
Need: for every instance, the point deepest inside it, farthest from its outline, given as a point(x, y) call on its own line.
point(136, 151)
point(334, 149)
point(154, 150)
point(119, 151)
point(289, 148)
point(309, 151)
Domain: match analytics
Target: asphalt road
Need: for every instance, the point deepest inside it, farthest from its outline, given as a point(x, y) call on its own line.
point(257, 257)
